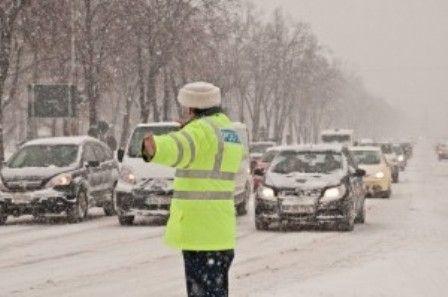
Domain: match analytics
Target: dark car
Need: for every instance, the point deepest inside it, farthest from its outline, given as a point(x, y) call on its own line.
point(401, 156)
point(311, 185)
point(59, 175)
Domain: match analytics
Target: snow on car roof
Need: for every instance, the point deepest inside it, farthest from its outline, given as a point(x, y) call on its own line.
point(337, 132)
point(313, 147)
point(365, 148)
point(159, 124)
point(76, 140)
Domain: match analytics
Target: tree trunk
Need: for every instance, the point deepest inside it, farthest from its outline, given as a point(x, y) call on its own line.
point(89, 68)
point(166, 96)
point(144, 108)
point(152, 96)
point(5, 52)
point(126, 123)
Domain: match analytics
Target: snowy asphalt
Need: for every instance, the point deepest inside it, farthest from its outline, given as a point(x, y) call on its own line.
point(402, 250)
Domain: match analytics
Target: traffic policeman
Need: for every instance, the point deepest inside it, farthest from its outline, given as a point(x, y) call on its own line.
point(207, 153)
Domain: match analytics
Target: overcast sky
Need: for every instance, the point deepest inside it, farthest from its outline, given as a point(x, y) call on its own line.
point(399, 47)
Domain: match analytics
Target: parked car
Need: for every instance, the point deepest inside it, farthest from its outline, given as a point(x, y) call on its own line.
point(311, 185)
point(442, 151)
point(378, 178)
point(262, 165)
point(59, 175)
point(391, 159)
point(243, 179)
point(257, 149)
point(143, 189)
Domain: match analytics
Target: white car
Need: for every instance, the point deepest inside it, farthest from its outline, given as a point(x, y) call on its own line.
point(143, 189)
point(243, 180)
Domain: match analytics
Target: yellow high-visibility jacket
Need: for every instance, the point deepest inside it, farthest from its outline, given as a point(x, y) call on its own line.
point(206, 153)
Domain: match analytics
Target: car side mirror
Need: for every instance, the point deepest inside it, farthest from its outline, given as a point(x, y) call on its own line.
point(120, 155)
point(93, 163)
point(360, 172)
point(258, 171)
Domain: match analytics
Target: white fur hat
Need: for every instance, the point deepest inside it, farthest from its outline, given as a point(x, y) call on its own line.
point(199, 95)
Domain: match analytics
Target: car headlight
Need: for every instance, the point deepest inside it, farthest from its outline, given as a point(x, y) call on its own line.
point(334, 193)
point(127, 175)
point(267, 193)
point(63, 179)
point(401, 158)
point(379, 174)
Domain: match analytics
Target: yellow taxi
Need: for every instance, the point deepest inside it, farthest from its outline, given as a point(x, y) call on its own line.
point(378, 178)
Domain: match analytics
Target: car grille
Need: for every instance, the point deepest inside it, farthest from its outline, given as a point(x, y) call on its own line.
point(24, 185)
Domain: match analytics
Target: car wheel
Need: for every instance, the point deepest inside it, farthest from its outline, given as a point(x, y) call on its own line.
point(78, 212)
point(388, 193)
point(261, 225)
point(241, 209)
point(126, 220)
point(395, 178)
point(3, 217)
point(349, 224)
point(361, 217)
point(109, 207)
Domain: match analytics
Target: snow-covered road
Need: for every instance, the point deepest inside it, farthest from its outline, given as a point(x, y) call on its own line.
point(402, 250)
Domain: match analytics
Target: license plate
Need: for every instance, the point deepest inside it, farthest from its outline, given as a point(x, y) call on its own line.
point(158, 200)
point(21, 198)
point(297, 209)
point(298, 205)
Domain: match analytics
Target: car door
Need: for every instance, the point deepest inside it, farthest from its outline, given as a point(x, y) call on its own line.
point(107, 166)
point(92, 172)
point(356, 182)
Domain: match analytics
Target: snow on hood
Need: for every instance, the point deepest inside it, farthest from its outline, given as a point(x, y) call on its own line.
point(306, 181)
point(144, 170)
point(33, 173)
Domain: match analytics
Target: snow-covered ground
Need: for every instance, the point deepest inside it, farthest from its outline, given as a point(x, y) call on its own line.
point(402, 250)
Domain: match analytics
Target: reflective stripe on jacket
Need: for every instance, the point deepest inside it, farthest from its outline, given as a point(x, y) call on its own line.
point(207, 154)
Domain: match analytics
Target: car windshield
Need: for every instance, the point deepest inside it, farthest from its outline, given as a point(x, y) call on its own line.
point(336, 138)
point(62, 155)
point(135, 146)
point(259, 148)
point(397, 150)
point(307, 162)
point(387, 149)
point(367, 157)
point(269, 156)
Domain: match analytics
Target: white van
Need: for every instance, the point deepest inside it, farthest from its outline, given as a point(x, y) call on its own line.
point(143, 189)
point(243, 180)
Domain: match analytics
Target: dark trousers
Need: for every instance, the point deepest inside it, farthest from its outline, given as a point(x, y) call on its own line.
point(207, 273)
